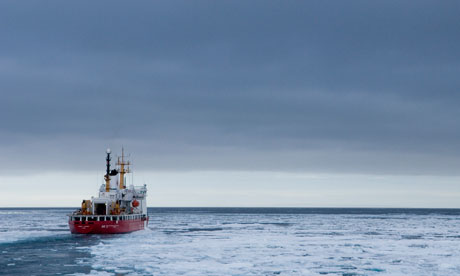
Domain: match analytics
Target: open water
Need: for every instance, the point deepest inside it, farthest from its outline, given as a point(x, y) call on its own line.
point(238, 241)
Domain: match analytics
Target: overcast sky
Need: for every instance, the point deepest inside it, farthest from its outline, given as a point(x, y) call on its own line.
point(292, 103)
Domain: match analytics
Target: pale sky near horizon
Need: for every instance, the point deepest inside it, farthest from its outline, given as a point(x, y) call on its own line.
point(233, 103)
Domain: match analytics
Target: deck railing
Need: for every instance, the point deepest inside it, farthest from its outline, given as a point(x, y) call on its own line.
point(75, 217)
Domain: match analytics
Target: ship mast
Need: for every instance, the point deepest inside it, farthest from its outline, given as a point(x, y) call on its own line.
point(123, 170)
point(107, 175)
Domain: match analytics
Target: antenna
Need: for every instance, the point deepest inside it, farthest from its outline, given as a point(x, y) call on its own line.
point(132, 173)
point(123, 170)
point(107, 175)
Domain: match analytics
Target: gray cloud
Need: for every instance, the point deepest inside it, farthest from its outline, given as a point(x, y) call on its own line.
point(324, 86)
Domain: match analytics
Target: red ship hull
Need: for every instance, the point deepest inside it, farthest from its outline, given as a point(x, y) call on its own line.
point(107, 227)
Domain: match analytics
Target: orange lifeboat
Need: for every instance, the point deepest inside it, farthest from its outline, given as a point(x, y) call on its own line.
point(135, 203)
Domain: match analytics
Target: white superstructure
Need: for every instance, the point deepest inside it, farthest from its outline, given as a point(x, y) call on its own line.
point(114, 197)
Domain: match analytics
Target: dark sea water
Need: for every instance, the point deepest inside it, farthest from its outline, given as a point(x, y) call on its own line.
point(238, 241)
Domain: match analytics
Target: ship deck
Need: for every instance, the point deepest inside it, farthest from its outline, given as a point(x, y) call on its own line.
point(88, 218)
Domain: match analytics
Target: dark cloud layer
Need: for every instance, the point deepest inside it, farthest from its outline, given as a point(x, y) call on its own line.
point(334, 86)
